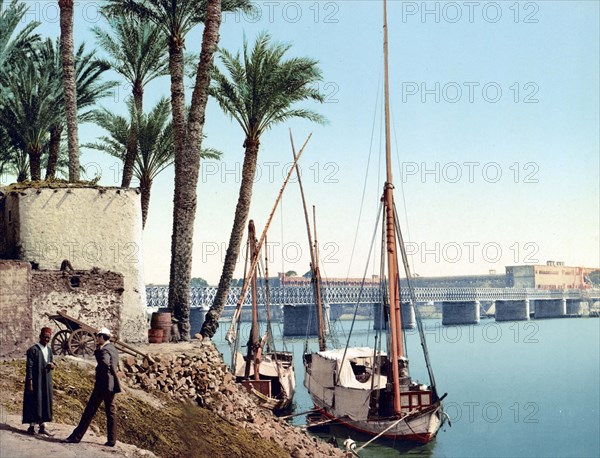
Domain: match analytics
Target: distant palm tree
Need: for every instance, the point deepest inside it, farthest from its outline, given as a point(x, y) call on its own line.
point(261, 90)
point(32, 109)
point(13, 46)
point(13, 161)
point(176, 18)
point(138, 52)
point(90, 89)
point(29, 109)
point(155, 144)
point(68, 79)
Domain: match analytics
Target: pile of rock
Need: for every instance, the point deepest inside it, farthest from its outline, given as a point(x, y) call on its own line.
point(189, 375)
point(197, 373)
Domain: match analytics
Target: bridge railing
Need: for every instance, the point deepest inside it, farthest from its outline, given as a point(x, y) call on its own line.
point(157, 296)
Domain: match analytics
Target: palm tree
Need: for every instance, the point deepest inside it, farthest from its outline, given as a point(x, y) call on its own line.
point(13, 161)
point(137, 52)
point(154, 148)
point(29, 109)
point(32, 107)
point(90, 88)
point(175, 19)
point(10, 17)
point(261, 91)
point(70, 92)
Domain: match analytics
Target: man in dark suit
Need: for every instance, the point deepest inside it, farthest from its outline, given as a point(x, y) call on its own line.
point(106, 386)
point(37, 397)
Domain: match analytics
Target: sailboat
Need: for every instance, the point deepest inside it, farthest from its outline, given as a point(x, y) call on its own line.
point(266, 373)
point(368, 389)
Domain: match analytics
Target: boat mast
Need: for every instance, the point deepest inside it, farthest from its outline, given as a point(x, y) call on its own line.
point(253, 343)
point(231, 334)
point(391, 245)
point(317, 286)
point(314, 265)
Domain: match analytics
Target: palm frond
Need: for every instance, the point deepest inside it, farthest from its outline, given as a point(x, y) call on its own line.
point(262, 86)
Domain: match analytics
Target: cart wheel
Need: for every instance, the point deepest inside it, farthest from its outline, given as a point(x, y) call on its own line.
point(82, 343)
point(60, 343)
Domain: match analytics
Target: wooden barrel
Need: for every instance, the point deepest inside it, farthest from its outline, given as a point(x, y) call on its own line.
point(155, 335)
point(162, 321)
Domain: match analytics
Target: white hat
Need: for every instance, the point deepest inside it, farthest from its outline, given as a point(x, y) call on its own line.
point(104, 331)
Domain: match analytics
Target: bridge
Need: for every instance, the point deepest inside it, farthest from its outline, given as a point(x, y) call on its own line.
point(459, 305)
point(157, 296)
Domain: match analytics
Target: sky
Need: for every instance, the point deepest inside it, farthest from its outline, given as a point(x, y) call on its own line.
point(495, 129)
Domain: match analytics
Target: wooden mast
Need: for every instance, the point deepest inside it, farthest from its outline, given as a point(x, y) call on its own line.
point(317, 286)
point(314, 265)
point(396, 349)
point(230, 336)
point(253, 343)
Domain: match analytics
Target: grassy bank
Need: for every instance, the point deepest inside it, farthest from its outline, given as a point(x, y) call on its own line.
point(148, 420)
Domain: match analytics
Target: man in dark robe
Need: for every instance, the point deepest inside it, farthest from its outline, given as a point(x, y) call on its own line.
point(37, 399)
point(106, 386)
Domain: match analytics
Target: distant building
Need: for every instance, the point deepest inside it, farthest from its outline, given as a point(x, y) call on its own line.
point(553, 275)
point(306, 281)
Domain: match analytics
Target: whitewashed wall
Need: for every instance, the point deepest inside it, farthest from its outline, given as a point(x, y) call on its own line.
point(91, 227)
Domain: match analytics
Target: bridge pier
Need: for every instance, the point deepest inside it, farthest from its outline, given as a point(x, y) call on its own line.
point(577, 308)
point(550, 308)
point(465, 312)
point(517, 310)
point(407, 311)
point(296, 320)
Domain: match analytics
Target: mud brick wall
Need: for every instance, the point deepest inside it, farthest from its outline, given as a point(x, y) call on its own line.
point(92, 227)
point(27, 296)
point(16, 333)
point(94, 297)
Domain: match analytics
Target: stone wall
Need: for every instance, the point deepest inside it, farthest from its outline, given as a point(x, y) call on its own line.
point(96, 300)
point(16, 333)
point(28, 296)
point(92, 228)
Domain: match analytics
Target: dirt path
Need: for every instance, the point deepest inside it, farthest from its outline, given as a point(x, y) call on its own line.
point(16, 443)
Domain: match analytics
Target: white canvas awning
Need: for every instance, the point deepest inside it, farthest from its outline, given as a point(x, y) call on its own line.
point(322, 368)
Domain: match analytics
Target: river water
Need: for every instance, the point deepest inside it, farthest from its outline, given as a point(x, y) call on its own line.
point(515, 389)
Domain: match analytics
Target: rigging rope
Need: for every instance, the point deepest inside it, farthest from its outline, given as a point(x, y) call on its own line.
point(362, 199)
point(414, 301)
point(402, 185)
point(362, 285)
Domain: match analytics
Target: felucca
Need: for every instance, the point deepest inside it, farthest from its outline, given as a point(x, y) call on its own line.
point(368, 389)
point(268, 375)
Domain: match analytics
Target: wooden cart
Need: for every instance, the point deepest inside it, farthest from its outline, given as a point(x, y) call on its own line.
point(79, 339)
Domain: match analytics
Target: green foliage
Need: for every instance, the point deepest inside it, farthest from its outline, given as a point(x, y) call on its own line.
point(291, 273)
point(262, 88)
point(198, 281)
point(136, 49)
point(155, 138)
point(594, 277)
point(174, 18)
point(32, 102)
point(12, 46)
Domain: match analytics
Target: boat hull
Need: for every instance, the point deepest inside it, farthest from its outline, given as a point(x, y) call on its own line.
point(274, 390)
point(418, 427)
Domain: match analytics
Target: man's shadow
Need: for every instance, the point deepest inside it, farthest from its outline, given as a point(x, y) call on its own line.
point(13, 429)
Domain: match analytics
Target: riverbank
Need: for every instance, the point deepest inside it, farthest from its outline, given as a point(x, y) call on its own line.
point(165, 421)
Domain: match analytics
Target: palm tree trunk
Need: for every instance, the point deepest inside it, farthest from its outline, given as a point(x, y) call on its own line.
point(128, 164)
point(35, 166)
point(187, 147)
point(22, 176)
point(211, 321)
point(68, 65)
point(145, 187)
point(54, 147)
